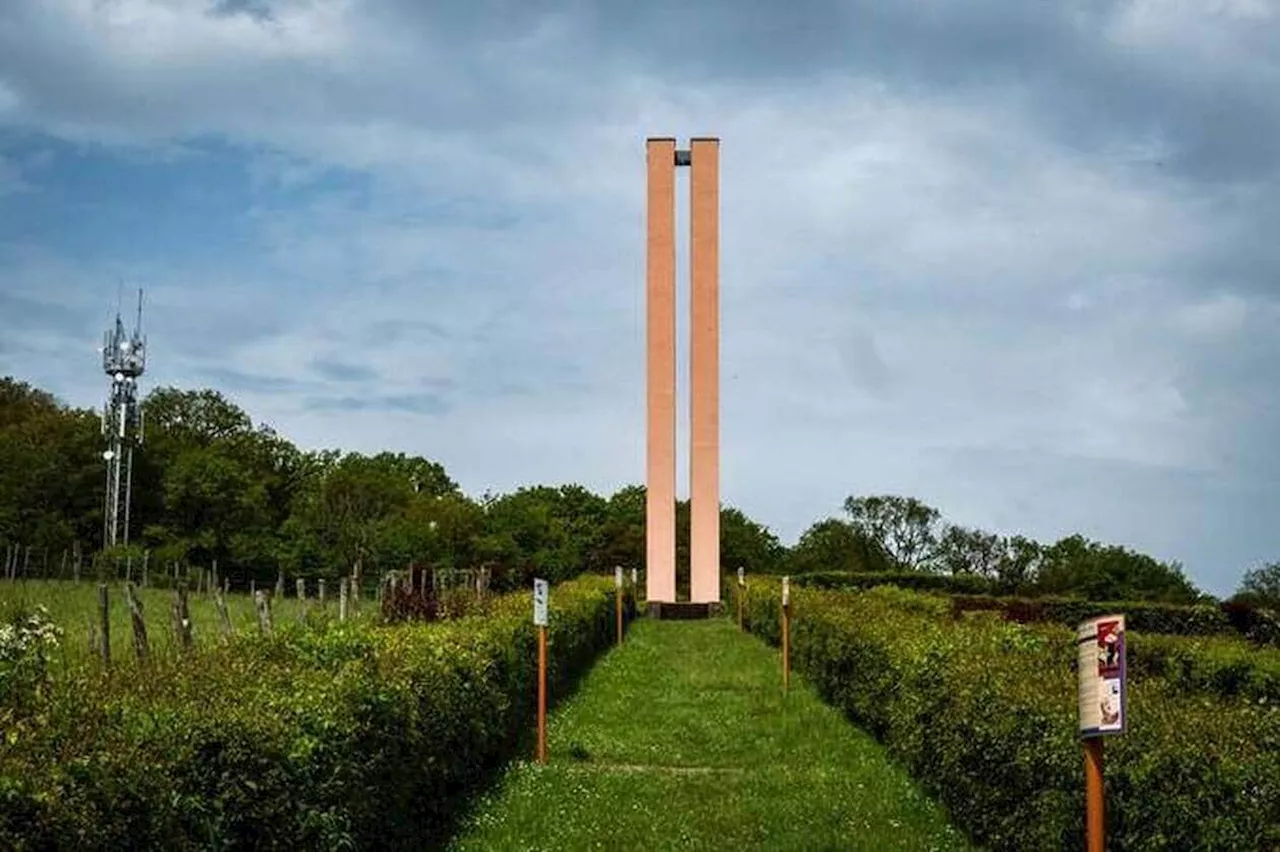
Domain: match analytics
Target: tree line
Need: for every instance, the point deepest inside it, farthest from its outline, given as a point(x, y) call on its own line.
point(210, 484)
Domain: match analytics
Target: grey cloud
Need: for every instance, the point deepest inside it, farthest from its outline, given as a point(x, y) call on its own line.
point(340, 372)
point(258, 9)
point(238, 380)
point(421, 403)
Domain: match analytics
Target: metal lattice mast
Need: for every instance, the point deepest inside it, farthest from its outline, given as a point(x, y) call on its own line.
point(124, 358)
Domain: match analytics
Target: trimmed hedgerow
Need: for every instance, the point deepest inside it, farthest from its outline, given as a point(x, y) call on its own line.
point(958, 584)
point(338, 736)
point(971, 592)
point(982, 711)
point(1213, 665)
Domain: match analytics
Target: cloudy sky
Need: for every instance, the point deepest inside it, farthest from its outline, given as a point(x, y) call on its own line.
point(1017, 259)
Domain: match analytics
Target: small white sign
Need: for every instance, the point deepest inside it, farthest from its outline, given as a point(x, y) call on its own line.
point(635, 577)
point(786, 591)
point(617, 576)
point(742, 576)
point(1102, 672)
point(540, 594)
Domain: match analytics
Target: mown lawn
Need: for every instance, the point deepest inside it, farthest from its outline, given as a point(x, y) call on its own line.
point(682, 739)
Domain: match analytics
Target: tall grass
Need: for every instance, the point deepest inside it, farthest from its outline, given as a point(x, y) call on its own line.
point(74, 606)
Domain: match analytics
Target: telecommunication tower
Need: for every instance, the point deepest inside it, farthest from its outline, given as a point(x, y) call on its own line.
point(124, 358)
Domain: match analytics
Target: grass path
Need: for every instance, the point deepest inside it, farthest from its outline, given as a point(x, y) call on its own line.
point(682, 739)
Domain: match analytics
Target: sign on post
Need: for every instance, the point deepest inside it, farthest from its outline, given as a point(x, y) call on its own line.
point(617, 576)
point(742, 576)
point(635, 578)
point(786, 591)
point(540, 594)
point(1101, 646)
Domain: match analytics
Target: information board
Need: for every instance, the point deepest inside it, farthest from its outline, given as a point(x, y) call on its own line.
point(1101, 646)
point(786, 591)
point(540, 594)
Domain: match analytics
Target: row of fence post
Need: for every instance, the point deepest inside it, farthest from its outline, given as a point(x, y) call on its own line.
point(180, 614)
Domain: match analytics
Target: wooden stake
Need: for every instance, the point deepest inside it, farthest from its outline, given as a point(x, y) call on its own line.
point(786, 634)
point(542, 694)
point(1095, 804)
point(224, 617)
point(146, 565)
point(321, 591)
point(141, 648)
point(262, 604)
point(618, 600)
point(182, 618)
point(104, 616)
point(342, 598)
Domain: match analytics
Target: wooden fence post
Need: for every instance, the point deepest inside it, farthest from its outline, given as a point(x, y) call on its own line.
point(224, 618)
point(302, 599)
point(342, 598)
point(140, 645)
point(182, 618)
point(146, 568)
point(262, 604)
point(280, 586)
point(321, 591)
point(104, 614)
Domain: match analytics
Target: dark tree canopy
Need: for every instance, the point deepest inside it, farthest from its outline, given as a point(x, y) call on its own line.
point(213, 485)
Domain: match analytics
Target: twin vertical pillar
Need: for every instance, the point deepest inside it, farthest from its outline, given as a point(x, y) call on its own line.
point(703, 158)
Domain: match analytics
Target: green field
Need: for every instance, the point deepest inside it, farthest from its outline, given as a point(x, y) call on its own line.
point(683, 739)
point(72, 606)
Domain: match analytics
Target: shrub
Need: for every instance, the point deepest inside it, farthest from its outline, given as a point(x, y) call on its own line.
point(339, 736)
point(1225, 667)
point(967, 584)
point(982, 712)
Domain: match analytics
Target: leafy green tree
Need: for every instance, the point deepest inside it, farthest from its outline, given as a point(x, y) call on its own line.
point(1261, 586)
point(1020, 562)
point(1077, 566)
point(963, 550)
point(747, 544)
point(836, 545)
point(904, 527)
point(51, 471)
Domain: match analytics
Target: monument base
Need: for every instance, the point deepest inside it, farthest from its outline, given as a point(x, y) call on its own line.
point(683, 610)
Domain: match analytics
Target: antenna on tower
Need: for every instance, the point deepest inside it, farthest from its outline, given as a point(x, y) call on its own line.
point(124, 360)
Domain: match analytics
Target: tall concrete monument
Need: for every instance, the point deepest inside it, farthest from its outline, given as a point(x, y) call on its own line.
point(703, 159)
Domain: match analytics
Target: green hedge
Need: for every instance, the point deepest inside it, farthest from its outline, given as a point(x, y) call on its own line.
point(332, 736)
point(961, 584)
point(1254, 624)
point(982, 712)
point(971, 592)
point(1212, 665)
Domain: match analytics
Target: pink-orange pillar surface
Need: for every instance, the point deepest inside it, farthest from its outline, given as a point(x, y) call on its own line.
point(704, 368)
point(660, 293)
